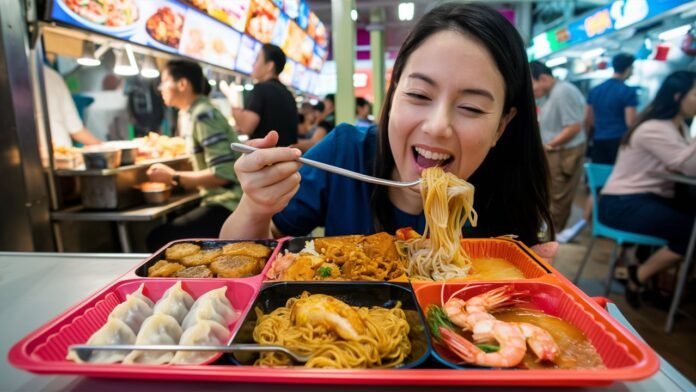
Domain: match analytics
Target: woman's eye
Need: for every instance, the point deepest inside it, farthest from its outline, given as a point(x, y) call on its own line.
point(417, 96)
point(472, 109)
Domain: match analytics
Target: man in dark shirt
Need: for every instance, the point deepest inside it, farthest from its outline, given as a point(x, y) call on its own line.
point(269, 106)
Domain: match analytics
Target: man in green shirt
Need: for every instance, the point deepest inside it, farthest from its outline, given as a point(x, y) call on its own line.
point(184, 86)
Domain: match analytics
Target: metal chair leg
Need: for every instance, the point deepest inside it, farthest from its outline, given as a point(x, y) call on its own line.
point(612, 266)
point(584, 261)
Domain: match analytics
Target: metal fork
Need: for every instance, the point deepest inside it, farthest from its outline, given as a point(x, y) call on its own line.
point(243, 148)
point(84, 351)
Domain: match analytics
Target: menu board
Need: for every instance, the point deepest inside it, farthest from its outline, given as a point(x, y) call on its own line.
point(248, 50)
point(225, 33)
point(288, 72)
point(262, 18)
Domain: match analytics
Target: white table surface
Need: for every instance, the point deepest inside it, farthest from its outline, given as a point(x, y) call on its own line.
point(35, 287)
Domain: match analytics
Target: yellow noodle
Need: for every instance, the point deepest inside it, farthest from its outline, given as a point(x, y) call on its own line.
point(448, 202)
point(384, 344)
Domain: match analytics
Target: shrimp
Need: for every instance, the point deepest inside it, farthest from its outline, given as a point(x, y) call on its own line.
point(280, 265)
point(540, 341)
point(508, 336)
point(331, 313)
point(466, 314)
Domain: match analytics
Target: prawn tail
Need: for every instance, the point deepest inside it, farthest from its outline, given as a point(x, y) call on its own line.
point(459, 346)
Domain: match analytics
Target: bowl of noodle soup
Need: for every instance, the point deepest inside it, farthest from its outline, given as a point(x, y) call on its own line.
point(394, 336)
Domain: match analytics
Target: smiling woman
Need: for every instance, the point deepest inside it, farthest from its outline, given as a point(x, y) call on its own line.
point(460, 99)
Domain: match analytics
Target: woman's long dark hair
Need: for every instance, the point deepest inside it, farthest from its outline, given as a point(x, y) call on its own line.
point(190, 71)
point(512, 195)
point(667, 101)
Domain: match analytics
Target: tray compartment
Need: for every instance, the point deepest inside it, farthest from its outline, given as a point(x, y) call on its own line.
point(81, 322)
point(368, 294)
point(205, 244)
point(616, 347)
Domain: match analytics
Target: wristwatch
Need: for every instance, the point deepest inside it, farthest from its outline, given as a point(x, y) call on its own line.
point(176, 180)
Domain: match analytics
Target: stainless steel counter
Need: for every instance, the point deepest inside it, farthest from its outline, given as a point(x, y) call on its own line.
point(36, 287)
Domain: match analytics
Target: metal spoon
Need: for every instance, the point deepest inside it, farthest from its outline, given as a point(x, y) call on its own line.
point(84, 351)
point(243, 148)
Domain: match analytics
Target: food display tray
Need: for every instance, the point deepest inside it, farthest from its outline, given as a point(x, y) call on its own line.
point(627, 357)
point(205, 244)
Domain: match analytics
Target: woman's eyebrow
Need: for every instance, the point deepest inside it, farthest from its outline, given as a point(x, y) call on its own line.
point(466, 91)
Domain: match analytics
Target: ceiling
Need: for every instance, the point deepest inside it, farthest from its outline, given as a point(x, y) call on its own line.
point(544, 13)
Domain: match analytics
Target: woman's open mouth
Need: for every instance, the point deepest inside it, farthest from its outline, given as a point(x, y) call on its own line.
point(426, 158)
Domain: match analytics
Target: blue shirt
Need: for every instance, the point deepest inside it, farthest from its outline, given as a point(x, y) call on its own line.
point(340, 204)
point(609, 101)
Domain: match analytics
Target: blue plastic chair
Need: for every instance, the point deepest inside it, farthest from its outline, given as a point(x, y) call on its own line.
point(597, 176)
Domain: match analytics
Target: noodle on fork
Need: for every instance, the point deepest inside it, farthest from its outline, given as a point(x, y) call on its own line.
point(448, 202)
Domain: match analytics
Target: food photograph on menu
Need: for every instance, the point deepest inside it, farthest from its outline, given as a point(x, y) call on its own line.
point(262, 18)
point(293, 43)
point(280, 31)
point(320, 34)
point(165, 26)
point(303, 15)
point(117, 17)
point(230, 12)
point(306, 50)
point(286, 76)
point(209, 41)
point(246, 55)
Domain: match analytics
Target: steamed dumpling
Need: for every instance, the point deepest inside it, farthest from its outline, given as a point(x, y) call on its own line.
point(139, 293)
point(206, 333)
point(114, 331)
point(157, 329)
point(214, 306)
point(175, 302)
point(133, 311)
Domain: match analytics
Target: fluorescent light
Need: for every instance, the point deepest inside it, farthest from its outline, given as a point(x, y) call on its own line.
point(556, 61)
point(248, 87)
point(674, 33)
point(590, 54)
point(88, 57)
point(149, 69)
point(212, 82)
point(238, 87)
point(406, 11)
point(354, 15)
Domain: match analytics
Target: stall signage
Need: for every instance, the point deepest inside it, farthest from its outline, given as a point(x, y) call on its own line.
point(225, 33)
point(613, 17)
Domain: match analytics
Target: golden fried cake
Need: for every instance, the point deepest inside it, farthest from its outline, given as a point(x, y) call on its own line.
point(247, 249)
point(163, 269)
point(239, 266)
point(343, 242)
point(203, 257)
point(181, 250)
point(199, 271)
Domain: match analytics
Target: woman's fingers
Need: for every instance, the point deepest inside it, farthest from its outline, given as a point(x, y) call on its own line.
point(268, 141)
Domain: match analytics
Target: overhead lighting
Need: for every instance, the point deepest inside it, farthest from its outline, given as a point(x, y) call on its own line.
point(88, 57)
point(248, 87)
point(554, 62)
point(238, 87)
point(212, 82)
point(125, 62)
point(149, 69)
point(674, 33)
point(406, 11)
point(354, 15)
point(590, 54)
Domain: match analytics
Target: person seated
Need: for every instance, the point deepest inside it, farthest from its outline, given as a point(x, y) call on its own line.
point(362, 113)
point(634, 199)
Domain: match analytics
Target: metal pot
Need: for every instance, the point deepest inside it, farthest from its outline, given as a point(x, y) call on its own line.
point(101, 158)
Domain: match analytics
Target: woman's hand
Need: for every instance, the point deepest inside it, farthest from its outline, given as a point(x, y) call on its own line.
point(269, 178)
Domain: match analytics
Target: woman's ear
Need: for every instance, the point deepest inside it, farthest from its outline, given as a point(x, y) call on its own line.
point(504, 121)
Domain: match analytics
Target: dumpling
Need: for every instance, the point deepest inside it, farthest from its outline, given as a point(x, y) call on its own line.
point(139, 293)
point(114, 331)
point(175, 302)
point(214, 306)
point(133, 311)
point(157, 329)
point(206, 333)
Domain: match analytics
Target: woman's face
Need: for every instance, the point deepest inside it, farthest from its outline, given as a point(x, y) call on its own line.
point(688, 104)
point(447, 107)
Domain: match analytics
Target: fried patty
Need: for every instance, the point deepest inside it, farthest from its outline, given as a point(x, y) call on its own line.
point(200, 271)
point(247, 249)
point(181, 250)
point(203, 257)
point(239, 266)
point(163, 269)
